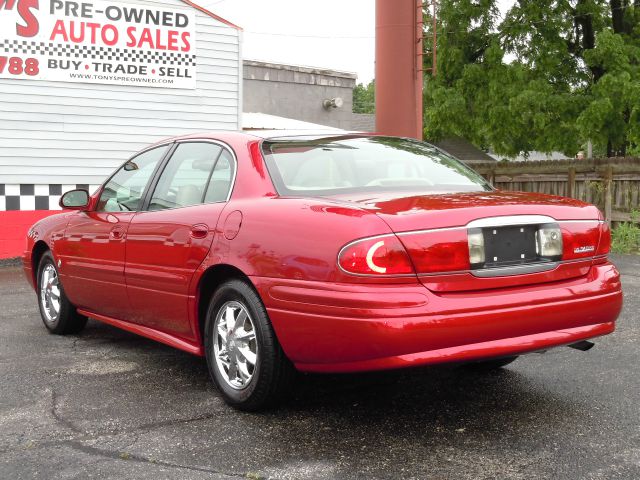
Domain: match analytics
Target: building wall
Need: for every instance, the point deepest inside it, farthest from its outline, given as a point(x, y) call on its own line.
point(363, 122)
point(298, 92)
point(57, 136)
point(77, 133)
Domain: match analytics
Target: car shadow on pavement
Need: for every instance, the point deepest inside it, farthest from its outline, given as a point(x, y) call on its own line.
point(419, 399)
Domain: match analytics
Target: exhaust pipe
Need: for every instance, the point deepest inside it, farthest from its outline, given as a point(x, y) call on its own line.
point(583, 346)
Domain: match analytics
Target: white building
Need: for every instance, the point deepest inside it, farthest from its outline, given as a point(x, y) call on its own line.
point(81, 89)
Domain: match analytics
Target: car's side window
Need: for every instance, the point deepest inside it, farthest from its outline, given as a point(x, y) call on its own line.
point(221, 179)
point(185, 177)
point(124, 191)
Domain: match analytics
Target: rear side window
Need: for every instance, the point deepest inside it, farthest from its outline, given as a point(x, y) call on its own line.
point(348, 164)
point(188, 177)
point(123, 192)
point(221, 179)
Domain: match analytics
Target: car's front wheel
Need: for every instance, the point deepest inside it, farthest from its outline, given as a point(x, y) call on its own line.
point(244, 357)
point(58, 314)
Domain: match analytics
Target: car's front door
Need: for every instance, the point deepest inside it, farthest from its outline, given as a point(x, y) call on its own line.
point(92, 251)
point(168, 241)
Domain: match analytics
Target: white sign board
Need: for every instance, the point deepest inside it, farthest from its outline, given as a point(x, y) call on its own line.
point(97, 41)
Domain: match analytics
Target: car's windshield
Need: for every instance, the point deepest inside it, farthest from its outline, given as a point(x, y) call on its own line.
point(354, 164)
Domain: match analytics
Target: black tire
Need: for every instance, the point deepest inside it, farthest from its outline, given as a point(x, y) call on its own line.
point(272, 374)
point(490, 365)
point(67, 321)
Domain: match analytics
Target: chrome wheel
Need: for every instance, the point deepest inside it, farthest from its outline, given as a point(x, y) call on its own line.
point(50, 293)
point(235, 348)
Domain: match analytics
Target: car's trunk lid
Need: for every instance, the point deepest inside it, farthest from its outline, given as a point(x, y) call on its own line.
point(414, 212)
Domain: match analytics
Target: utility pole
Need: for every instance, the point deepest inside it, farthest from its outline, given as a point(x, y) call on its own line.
point(399, 70)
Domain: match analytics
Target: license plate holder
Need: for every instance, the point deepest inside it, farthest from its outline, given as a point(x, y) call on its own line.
point(510, 245)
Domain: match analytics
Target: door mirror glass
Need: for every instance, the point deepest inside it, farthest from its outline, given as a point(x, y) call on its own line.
point(75, 200)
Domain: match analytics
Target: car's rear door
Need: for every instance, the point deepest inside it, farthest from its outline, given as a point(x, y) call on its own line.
point(169, 239)
point(92, 251)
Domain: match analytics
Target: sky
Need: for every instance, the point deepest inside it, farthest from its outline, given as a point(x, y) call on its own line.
point(334, 34)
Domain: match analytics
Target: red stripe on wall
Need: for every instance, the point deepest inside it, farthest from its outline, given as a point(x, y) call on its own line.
point(14, 226)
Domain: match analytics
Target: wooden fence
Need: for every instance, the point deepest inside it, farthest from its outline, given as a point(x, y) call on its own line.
point(613, 184)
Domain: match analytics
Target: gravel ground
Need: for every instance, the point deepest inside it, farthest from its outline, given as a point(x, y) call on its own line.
point(108, 404)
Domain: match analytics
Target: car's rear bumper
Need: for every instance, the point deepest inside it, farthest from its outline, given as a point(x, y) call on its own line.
point(345, 328)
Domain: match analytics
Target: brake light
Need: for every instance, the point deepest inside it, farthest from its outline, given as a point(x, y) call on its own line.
point(435, 251)
point(375, 256)
point(604, 245)
point(580, 239)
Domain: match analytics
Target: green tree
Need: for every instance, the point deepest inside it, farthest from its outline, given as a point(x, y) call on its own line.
point(364, 98)
point(549, 76)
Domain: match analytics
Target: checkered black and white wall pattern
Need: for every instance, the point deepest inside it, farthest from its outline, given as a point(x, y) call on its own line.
point(35, 197)
point(92, 52)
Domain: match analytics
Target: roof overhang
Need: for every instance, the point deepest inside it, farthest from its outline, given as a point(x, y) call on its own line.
point(211, 14)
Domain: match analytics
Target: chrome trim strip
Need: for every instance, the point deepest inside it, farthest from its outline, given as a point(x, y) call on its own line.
point(509, 220)
point(514, 270)
point(491, 222)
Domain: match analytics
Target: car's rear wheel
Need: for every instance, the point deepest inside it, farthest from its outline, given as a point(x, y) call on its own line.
point(244, 357)
point(489, 365)
point(58, 314)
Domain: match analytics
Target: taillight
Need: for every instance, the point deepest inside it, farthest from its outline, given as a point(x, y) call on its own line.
point(463, 249)
point(580, 239)
point(435, 251)
point(383, 255)
point(604, 245)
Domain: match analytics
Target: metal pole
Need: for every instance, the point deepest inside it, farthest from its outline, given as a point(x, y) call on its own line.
point(398, 76)
point(419, 67)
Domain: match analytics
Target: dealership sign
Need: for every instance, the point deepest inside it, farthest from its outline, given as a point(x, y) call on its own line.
point(97, 42)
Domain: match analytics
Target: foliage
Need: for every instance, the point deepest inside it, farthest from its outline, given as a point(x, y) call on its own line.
point(364, 97)
point(625, 238)
point(549, 76)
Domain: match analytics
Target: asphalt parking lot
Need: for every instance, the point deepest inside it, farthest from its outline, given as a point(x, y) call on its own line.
point(108, 404)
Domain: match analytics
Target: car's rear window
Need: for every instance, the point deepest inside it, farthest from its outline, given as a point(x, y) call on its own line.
point(353, 164)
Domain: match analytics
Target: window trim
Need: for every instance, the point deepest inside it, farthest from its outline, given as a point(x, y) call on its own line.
point(168, 151)
point(156, 177)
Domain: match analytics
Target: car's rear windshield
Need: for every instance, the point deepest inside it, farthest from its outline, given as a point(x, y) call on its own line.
point(302, 166)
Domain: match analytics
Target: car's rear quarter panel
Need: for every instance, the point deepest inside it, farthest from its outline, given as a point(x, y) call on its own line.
point(294, 238)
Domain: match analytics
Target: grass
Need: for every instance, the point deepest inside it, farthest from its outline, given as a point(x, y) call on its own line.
point(625, 238)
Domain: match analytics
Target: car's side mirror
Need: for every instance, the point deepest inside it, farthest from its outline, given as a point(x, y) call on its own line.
point(75, 200)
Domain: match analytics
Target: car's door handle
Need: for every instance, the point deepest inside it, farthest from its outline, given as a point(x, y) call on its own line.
point(117, 233)
point(199, 231)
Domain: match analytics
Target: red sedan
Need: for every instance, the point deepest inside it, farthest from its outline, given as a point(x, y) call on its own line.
point(271, 252)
